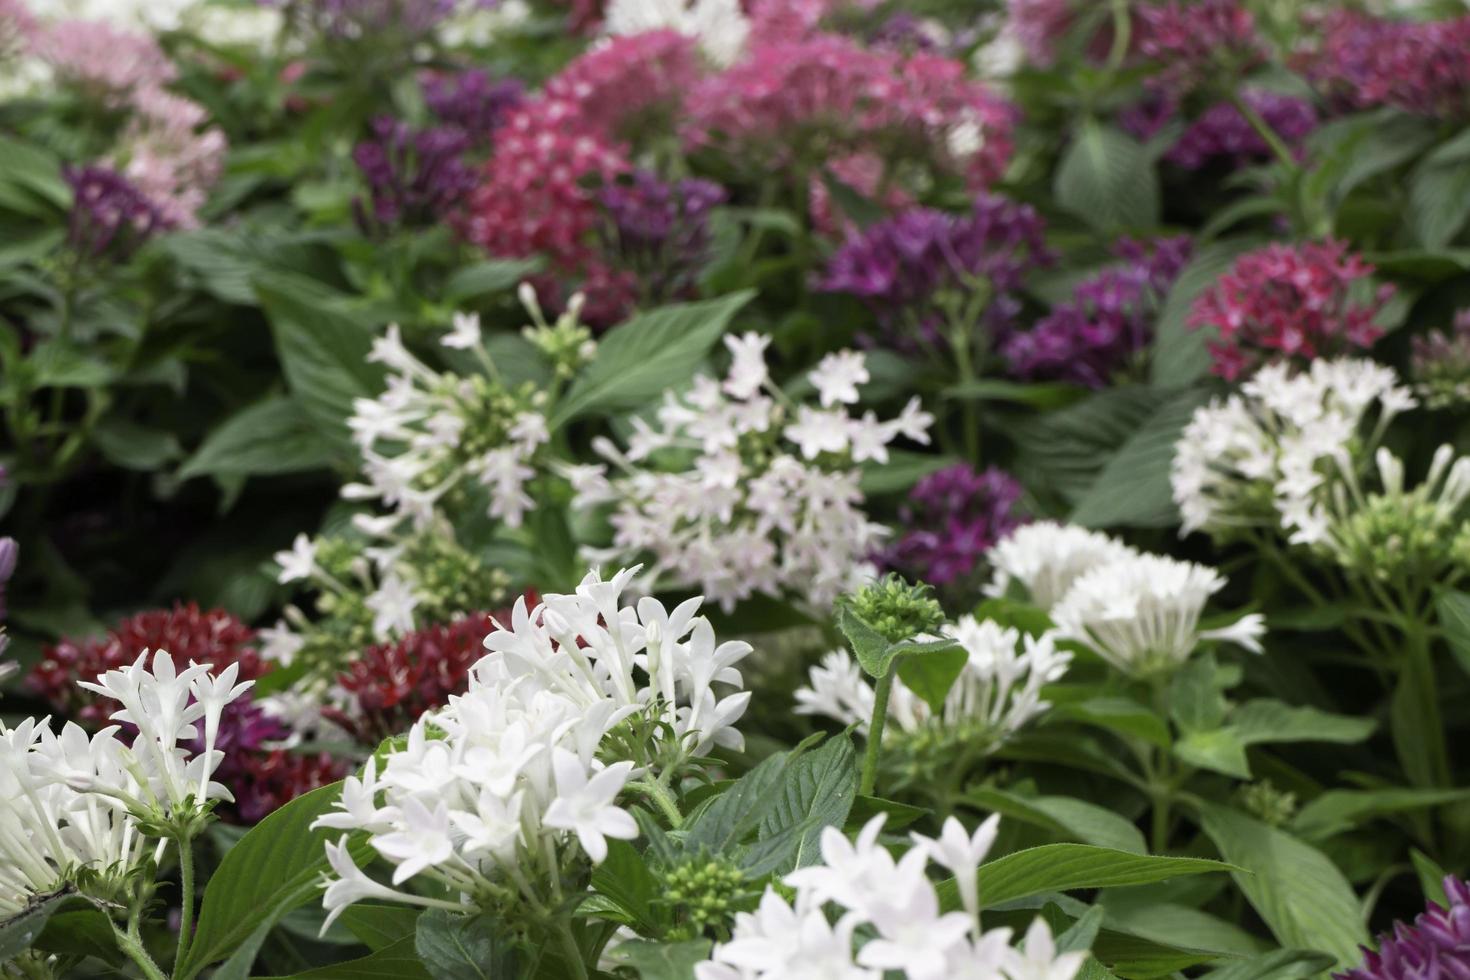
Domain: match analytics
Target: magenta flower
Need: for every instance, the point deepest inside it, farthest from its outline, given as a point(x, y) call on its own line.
point(630, 82)
point(1289, 301)
point(1435, 947)
point(1198, 41)
point(110, 218)
point(1362, 62)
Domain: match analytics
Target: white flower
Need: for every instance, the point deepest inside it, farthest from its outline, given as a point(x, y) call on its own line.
point(392, 606)
point(837, 376)
point(1141, 613)
point(1045, 558)
point(720, 26)
point(748, 371)
point(1040, 960)
point(422, 841)
point(299, 562)
point(585, 806)
point(962, 853)
point(350, 884)
point(817, 432)
point(464, 332)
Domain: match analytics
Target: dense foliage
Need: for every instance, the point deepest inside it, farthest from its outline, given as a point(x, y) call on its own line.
point(734, 489)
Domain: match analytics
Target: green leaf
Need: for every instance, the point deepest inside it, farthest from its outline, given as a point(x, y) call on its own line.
point(20, 931)
point(1133, 489)
point(274, 868)
point(269, 438)
point(323, 352)
point(1439, 202)
point(1360, 147)
point(1220, 750)
point(1339, 810)
point(1063, 451)
point(1012, 614)
point(489, 276)
point(57, 364)
point(854, 205)
point(1108, 179)
point(1270, 720)
point(462, 947)
point(1086, 822)
point(638, 360)
point(36, 169)
point(1281, 964)
point(398, 961)
point(81, 932)
point(134, 447)
point(901, 472)
point(1064, 867)
point(379, 926)
point(735, 814)
point(1117, 714)
point(816, 791)
point(1196, 695)
point(1431, 877)
point(931, 673)
point(869, 647)
point(1180, 354)
point(624, 879)
point(1299, 893)
point(661, 961)
point(1453, 609)
point(1040, 395)
point(1180, 925)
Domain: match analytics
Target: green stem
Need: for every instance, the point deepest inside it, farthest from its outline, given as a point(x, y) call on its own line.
point(874, 747)
point(1122, 35)
point(132, 946)
point(186, 892)
point(1263, 129)
point(1418, 670)
point(1160, 786)
point(570, 950)
point(663, 799)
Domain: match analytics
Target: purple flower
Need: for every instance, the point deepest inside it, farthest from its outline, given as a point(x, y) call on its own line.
point(953, 517)
point(1435, 947)
point(1221, 131)
point(658, 230)
point(472, 101)
point(910, 267)
point(1109, 318)
point(1362, 61)
point(9, 555)
point(109, 216)
point(414, 177)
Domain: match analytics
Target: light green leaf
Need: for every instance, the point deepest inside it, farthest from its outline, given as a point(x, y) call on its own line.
point(1064, 867)
point(1086, 822)
point(1220, 750)
point(1133, 489)
point(816, 791)
point(931, 673)
point(1281, 964)
point(379, 926)
point(1270, 720)
point(1180, 354)
point(1295, 888)
point(1340, 810)
point(1108, 179)
point(489, 276)
point(662, 961)
point(638, 360)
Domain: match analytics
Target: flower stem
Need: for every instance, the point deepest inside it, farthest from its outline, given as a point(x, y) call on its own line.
point(129, 942)
point(875, 733)
point(571, 952)
point(663, 799)
point(1263, 129)
point(186, 893)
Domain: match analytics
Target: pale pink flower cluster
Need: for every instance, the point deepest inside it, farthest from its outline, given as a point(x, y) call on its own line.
point(107, 62)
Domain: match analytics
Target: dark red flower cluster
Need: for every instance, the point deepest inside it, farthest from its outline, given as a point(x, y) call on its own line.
point(1363, 62)
point(1195, 41)
point(214, 637)
point(392, 684)
point(1289, 301)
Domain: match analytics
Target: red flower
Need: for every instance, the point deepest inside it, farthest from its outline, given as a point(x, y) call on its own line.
point(269, 780)
point(214, 637)
point(392, 684)
point(1285, 301)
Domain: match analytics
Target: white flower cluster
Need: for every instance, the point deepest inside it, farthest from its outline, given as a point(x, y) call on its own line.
point(1140, 613)
point(997, 693)
point(1265, 457)
point(70, 802)
point(720, 26)
point(765, 496)
point(430, 433)
point(890, 922)
point(523, 764)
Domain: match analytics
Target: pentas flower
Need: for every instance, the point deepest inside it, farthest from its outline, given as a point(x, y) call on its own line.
point(659, 231)
point(628, 85)
point(106, 62)
point(517, 781)
point(952, 518)
point(1265, 458)
point(389, 685)
point(1039, 26)
point(110, 218)
point(887, 920)
point(1039, 562)
point(1362, 61)
point(737, 491)
point(997, 693)
point(1198, 41)
point(921, 270)
point(720, 27)
point(1440, 364)
point(433, 438)
point(1108, 321)
point(170, 155)
point(1289, 301)
point(213, 637)
point(826, 95)
point(9, 558)
point(471, 101)
point(1221, 132)
point(1141, 613)
point(415, 178)
point(1436, 944)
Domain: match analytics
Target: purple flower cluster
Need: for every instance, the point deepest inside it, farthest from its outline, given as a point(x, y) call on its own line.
point(110, 218)
point(354, 19)
point(1221, 131)
point(472, 101)
point(414, 177)
point(1435, 947)
point(1423, 67)
point(9, 555)
point(917, 267)
point(953, 517)
point(1109, 318)
point(659, 231)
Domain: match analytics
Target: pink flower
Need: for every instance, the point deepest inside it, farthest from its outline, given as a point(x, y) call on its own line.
point(628, 79)
point(1421, 67)
point(165, 155)
point(1197, 40)
point(107, 62)
point(1285, 301)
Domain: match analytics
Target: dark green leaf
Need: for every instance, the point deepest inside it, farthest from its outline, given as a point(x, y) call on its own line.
point(379, 926)
point(1108, 179)
point(1453, 609)
point(396, 962)
point(134, 447)
point(1341, 810)
point(624, 879)
point(931, 673)
point(462, 947)
point(1085, 822)
point(19, 932)
point(662, 961)
point(1133, 489)
point(1281, 964)
point(268, 438)
point(816, 791)
point(1269, 720)
point(1064, 867)
point(489, 276)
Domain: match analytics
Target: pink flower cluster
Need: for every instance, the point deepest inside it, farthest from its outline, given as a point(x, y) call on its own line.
point(1038, 25)
point(166, 155)
point(1193, 41)
point(109, 63)
point(1289, 301)
point(1363, 62)
point(793, 100)
point(630, 81)
point(16, 27)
